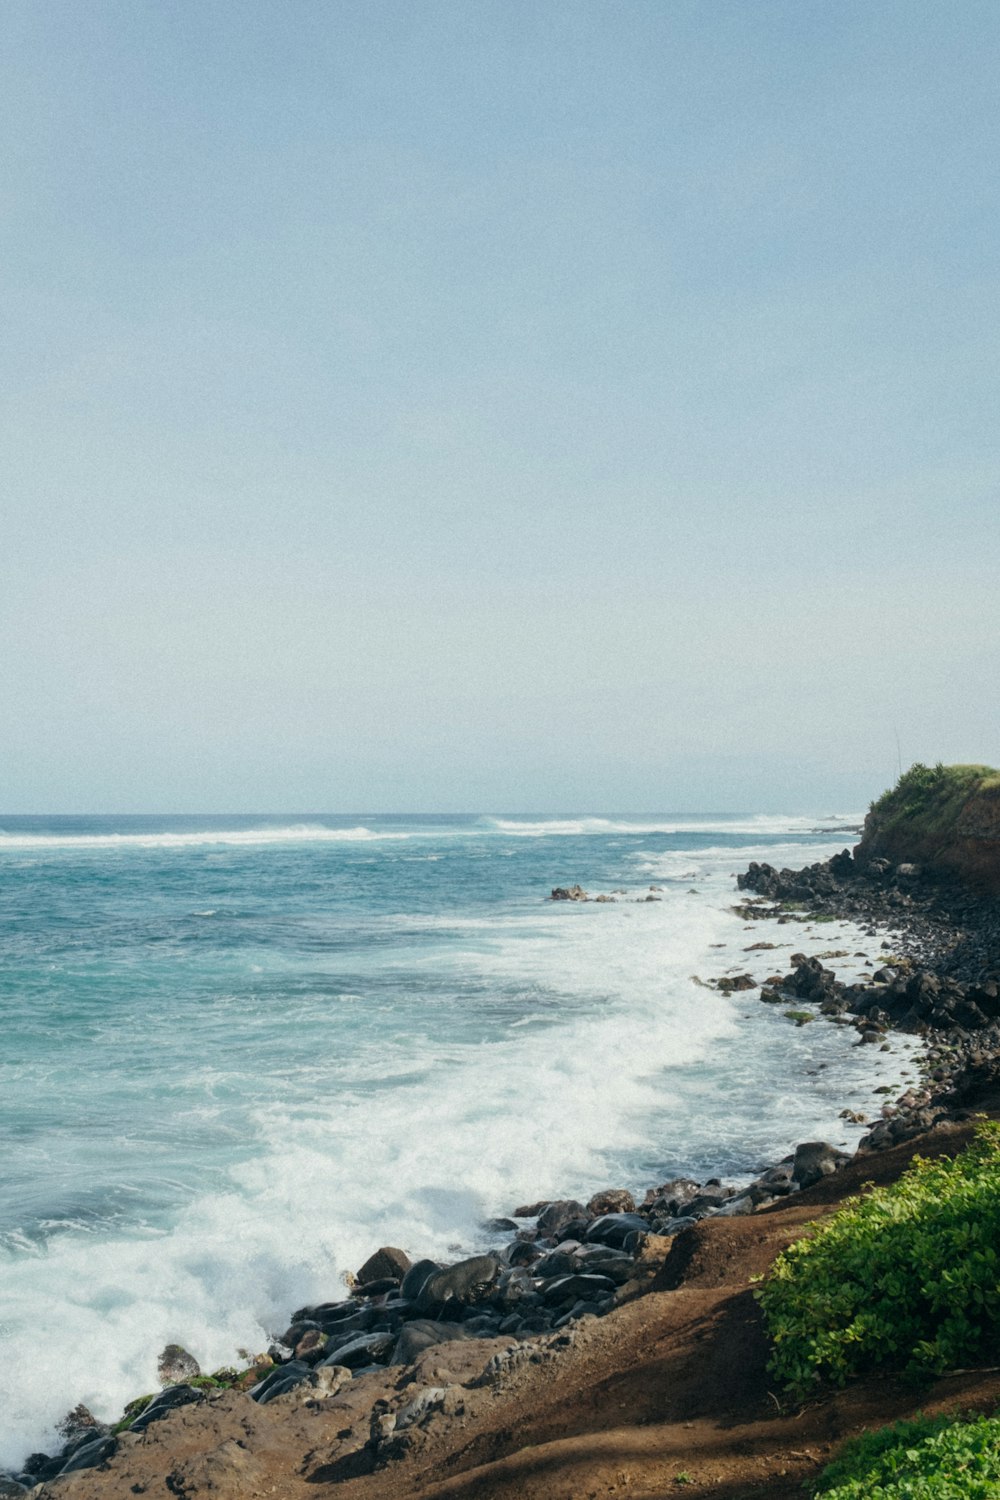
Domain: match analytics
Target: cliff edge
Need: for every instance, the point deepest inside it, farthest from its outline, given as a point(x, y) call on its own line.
point(944, 818)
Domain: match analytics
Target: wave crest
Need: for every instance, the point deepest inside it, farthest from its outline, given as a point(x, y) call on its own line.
point(762, 823)
point(238, 837)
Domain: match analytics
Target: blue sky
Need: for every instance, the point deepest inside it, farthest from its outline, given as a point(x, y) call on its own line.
point(496, 406)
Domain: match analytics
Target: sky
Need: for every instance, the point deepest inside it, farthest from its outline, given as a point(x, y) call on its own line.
point(502, 405)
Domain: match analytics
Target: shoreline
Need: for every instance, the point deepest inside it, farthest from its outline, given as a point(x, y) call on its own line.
point(578, 1262)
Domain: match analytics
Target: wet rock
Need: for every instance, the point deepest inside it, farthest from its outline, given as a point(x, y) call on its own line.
point(362, 1349)
point(522, 1253)
point(779, 1180)
point(469, 1281)
point(80, 1425)
point(710, 1198)
point(618, 1271)
point(569, 893)
point(375, 1288)
point(41, 1466)
point(387, 1263)
point(585, 1285)
point(175, 1365)
point(615, 1229)
point(816, 1159)
point(671, 1196)
point(281, 1378)
point(167, 1401)
point(416, 1277)
point(809, 980)
point(531, 1210)
point(88, 1455)
point(562, 1261)
point(555, 1216)
point(424, 1333)
point(312, 1346)
point(515, 1288)
point(611, 1201)
point(744, 1204)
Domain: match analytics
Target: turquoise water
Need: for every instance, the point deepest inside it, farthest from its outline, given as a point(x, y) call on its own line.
point(241, 1052)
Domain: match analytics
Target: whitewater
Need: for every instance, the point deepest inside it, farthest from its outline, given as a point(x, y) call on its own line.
point(241, 1053)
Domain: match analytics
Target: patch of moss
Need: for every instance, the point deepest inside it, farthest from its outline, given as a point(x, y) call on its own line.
point(800, 1017)
point(132, 1410)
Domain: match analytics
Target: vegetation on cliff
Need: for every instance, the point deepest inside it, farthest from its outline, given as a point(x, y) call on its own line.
point(927, 1459)
point(906, 1277)
point(944, 818)
point(929, 800)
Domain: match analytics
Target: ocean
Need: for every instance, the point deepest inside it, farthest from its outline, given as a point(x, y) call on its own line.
point(242, 1052)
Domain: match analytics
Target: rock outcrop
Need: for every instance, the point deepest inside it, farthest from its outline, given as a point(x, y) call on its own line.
point(939, 820)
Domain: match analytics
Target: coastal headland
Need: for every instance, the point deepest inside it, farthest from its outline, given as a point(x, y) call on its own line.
point(616, 1347)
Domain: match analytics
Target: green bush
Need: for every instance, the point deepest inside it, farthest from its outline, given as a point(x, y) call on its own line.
point(928, 1459)
point(906, 1277)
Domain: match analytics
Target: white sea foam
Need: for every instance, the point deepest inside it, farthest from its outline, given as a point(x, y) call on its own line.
point(246, 837)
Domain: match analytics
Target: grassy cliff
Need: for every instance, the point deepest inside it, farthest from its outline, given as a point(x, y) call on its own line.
point(946, 818)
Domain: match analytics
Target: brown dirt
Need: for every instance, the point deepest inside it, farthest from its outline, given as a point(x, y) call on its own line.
point(668, 1395)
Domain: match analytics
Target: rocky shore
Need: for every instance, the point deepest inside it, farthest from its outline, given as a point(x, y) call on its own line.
point(405, 1350)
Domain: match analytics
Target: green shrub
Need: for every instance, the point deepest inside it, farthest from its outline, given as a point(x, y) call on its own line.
point(927, 1459)
point(907, 1277)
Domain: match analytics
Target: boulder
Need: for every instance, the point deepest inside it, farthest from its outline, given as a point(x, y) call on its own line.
point(175, 1365)
point(88, 1455)
point(569, 893)
point(531, 1210)
point(671, 1196)
point(467, 1282)
point(555, 1216)
point(424, 1333)
point(312, 1346)
point(809, 980)
point(417, 1275)
point(585, 1285)
point(364, 1349)
point(80, 1425)
point(778, 1180)
point(611, 1201)
point(614, 1229)
point(385, 1263)
point(167, 1400)
point(816, 1159)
